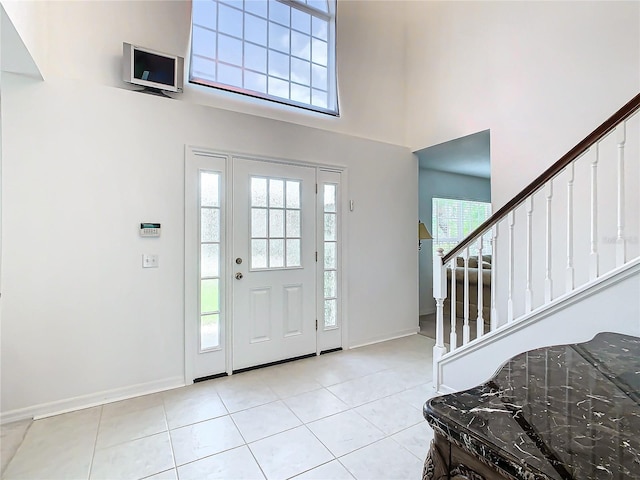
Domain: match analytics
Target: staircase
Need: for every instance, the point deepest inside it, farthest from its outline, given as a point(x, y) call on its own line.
point(565, 261)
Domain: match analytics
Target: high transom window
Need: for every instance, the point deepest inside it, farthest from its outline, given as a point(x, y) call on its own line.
point(281, 50)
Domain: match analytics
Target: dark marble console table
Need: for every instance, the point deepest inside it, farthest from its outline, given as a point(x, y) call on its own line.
point(562, 412)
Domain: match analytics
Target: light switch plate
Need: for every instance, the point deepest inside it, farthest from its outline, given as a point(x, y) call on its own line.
point(149, 261)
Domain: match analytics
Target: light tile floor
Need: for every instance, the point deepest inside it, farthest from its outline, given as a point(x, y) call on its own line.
point(344, 415)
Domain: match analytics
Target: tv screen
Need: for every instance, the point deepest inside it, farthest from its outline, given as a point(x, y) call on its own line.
point(154, 70)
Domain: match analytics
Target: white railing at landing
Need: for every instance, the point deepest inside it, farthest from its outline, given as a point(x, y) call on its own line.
point(575, 223)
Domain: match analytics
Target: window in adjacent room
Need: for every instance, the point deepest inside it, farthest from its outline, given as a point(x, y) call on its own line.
point(280, 50)
point(453, 220)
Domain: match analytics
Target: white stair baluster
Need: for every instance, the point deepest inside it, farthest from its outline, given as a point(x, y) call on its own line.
point(439, 293)
point(453, 336)
point(510, 298)
point(548, 290)
point(593, 256)
point(465, 326)
point(528, 294)
point(570, 280)
point(494, 266)
point(479, 320)
point(620, 240)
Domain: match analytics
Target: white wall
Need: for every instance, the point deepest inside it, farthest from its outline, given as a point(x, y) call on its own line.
point(83, 163)
point(84, 41)
point(540, 75)
point(432, 183)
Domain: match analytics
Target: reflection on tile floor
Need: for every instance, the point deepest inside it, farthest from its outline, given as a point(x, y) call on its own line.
point(344, 415)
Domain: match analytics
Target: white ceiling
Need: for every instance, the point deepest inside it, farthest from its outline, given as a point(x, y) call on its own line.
point(468, 155)
point(14, 54)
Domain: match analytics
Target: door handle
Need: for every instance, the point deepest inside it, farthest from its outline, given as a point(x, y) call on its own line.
point(239, 276)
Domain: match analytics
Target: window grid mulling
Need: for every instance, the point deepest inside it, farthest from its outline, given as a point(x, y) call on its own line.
point(291, 236)
point(330, 276)
point(453, 220)
point(317, 88)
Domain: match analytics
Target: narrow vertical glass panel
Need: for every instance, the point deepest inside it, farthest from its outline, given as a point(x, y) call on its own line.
point(276, 253)
point(255, 58)
point(209, 331)
point(330, 284)
point(293, 194)
point(293, 223)
point(205, 41)
point(319, 51)
point(330, 226)
point(259, 222)
point(229, 75)
point(330, 257)
point(300, 20)
point(258, 192)
point(279, 38)
point(276, 193)
point(276, 223)
point(230, 21)
point(330, 313)
point(210, 260)
point(301, 45)
point(255, 30)
point(209, 295)
point(293, 253)
point(329, 198)
point(209, 189)
point(320, 28)
point(258, 254)
point(209, 225)
point(279, 12)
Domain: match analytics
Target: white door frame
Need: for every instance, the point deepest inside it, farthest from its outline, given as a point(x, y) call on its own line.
point(189, 327)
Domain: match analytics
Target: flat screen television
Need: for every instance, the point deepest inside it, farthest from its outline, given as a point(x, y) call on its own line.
point(156, 71)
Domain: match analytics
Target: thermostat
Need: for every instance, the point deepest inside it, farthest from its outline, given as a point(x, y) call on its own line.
point(149, 229)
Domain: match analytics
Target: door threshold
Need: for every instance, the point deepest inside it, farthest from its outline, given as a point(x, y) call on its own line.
point(271, 364)
point(210, 377)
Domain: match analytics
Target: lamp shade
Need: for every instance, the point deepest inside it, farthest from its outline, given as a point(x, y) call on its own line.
point(423, 233)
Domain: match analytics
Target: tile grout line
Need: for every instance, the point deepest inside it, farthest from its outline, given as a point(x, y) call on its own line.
point(95, 443)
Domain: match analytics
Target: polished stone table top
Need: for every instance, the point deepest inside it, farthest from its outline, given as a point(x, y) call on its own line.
point(562, 412)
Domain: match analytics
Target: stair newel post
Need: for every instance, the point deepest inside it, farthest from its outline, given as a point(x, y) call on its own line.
point(528, 295)
point(494, 267)
point(453, 336)
point(511, 220)
point(548, 285)
point(593, 255)
point(570, 280)
point(439, 293)
point(480, 320)
point(620, 241)
point(465, 327)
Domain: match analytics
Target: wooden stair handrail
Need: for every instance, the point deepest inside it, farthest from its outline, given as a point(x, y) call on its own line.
point(625, 112)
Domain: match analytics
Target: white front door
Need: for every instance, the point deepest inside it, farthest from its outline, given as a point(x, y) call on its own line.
point(274, 262)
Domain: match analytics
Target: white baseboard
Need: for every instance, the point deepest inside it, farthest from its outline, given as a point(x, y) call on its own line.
point(384, 338)
point(58, 407)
